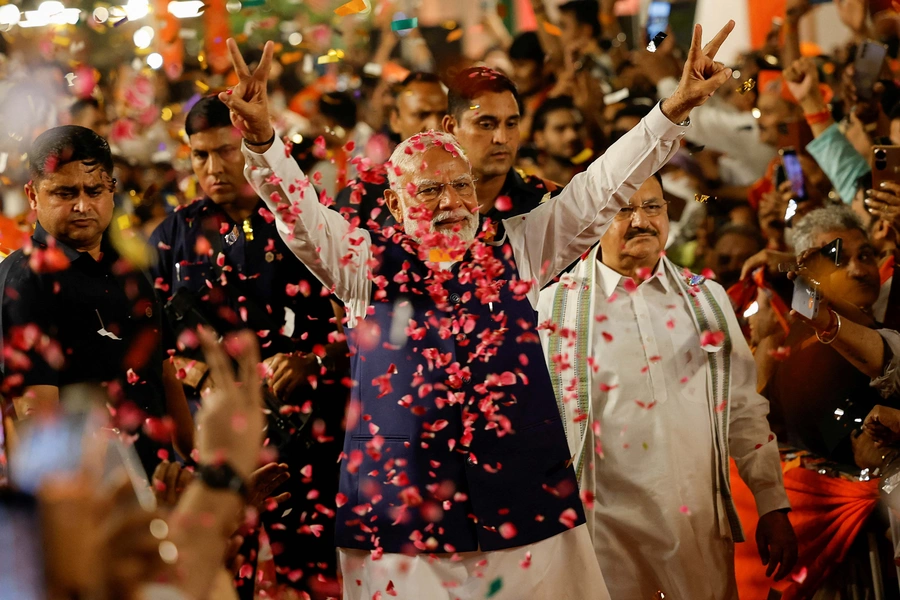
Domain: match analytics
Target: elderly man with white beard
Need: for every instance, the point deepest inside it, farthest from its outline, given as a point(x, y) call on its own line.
point(456, 479)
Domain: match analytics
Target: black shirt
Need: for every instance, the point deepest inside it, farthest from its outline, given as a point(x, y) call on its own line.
point(267, 288)
point(103, 319)
point(364, 200)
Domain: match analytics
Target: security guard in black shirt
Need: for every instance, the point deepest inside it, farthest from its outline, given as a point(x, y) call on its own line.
point(485, 111)
point(73, 310)
point(222, 261)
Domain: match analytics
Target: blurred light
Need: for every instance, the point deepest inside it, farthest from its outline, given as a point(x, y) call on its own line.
point(143, 37)
point(50, 13)
point(186, 9)
point(295, 39)
point(9, 15)
point(136, 9)
point(233, 6)
point(168, 552)
point(755, 112)
point(155, 60)
point(297, 138)
point(751, 310)
point(101, 15)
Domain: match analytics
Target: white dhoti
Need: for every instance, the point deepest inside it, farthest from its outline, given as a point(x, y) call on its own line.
point(563, 567)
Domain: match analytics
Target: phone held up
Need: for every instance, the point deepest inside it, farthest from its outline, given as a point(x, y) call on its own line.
point(885, 163)
point(791, 170)
point(657, 18)
point(867, 67)
point(807, 295)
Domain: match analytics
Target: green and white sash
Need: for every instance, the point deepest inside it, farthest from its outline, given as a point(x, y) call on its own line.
point(569, 345)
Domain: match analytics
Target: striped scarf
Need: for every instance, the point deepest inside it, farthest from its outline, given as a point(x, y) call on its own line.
point(568, 347)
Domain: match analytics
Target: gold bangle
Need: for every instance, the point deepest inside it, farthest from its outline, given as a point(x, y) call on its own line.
point(836, 331)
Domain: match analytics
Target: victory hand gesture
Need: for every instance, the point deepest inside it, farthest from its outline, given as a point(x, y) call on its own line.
point(248, 100)
point(701, 77)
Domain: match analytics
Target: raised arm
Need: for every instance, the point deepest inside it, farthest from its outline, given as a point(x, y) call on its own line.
point(552, 236)
point(322, 239)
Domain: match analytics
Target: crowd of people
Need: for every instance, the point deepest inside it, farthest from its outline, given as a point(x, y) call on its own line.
point(409, 323)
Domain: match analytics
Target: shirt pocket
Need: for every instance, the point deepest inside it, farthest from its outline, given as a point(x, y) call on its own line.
point(693, 371)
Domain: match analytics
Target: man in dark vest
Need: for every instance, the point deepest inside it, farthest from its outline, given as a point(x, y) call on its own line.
point(456, 472)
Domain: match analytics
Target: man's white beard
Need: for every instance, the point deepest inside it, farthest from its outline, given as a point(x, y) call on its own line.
point(467, 229)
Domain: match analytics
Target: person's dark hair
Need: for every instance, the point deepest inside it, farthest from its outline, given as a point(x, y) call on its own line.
point(419, 77)
point(82, 104)
point(470, 83)
point(207, 113)
point(586, 12)
point(69, 143)
point(634, 109)
point(414, 77)
point(527, 46)
point(740, 229)
point(548, 106)
point(339, 107)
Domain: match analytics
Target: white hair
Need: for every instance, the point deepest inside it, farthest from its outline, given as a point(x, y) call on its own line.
point(830, 218)
point(408, 155)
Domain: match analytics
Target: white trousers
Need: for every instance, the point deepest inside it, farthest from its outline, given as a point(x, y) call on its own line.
point(563, 567)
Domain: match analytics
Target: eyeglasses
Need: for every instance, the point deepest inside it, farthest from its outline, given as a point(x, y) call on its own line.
point(654, 208)
point(429, 192)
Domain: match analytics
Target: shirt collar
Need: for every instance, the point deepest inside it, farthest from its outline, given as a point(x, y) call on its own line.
point(41, 236)
point(609, 278)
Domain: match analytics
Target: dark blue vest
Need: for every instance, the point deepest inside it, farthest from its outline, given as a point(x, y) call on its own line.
point(459, 444)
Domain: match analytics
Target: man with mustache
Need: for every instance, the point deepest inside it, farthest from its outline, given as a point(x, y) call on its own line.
point(633, 342)
point(456, 481)
point(74, 309)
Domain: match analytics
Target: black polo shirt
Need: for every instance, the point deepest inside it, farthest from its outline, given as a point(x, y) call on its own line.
point(267, 288)
point(360, 198)
point(103, 314)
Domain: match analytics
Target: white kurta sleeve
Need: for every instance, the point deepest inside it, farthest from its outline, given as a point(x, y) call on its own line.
point(549, 238)
point(751, 442)
point(335, 252)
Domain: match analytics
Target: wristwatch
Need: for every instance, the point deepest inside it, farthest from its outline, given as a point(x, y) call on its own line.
point(223, 477)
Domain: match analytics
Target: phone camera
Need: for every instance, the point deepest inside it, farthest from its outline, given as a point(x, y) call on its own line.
point(880, 159)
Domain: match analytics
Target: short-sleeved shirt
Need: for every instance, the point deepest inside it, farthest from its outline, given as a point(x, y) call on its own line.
point(271, 292)
point(103, 314)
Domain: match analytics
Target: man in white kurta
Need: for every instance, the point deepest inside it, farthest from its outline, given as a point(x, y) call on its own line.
point(631, 370)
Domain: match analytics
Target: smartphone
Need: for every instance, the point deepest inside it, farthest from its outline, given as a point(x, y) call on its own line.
point(833, 251)
point(75, 442)
point(867, 67)
point(794, 135)
point(806, 298)
point(794, 172)
point(780, 176)
point(885, 164)
point(657, 18)
point(21, 548)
